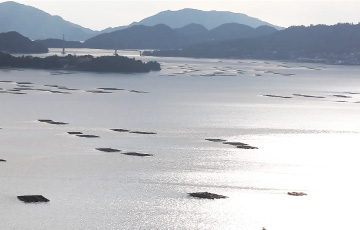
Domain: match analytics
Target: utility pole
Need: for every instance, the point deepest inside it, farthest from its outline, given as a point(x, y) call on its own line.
point(63, 49)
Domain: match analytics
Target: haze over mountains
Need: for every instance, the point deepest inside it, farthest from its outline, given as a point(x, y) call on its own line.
point(208, 19)
point(336, 44)
point(163, 37)
point(37, 24)
point(187, 33)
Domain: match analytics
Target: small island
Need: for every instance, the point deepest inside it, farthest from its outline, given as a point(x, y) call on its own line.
point(80, 63)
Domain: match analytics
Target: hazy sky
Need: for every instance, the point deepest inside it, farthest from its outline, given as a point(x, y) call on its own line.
point(99, 15)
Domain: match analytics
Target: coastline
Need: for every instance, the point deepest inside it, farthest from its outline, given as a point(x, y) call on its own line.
point(106, 64)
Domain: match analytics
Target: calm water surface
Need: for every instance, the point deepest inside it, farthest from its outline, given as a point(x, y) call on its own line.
point(306, 144)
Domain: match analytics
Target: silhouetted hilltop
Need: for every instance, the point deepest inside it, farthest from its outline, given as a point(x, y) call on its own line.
point(265, 30)
point(59, 43)
point(13, 42)
point(193, 30)
point(163, 37)
point(194, 33)
point(226, 31)
point(330, 44)
point(37, 24)
point(208, 19)
point(79, 63)
point(234, 30)
point(138, 37)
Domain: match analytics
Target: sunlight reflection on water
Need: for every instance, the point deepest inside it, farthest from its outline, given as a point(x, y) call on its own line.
point(305, 144)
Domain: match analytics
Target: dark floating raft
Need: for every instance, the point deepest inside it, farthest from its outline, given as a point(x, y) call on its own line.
point(138, 154)
point(60, 92)
point(285, 97)
point(235, 143)
point(24, 83)
point(246, 147)
point(137, 91)
point(110, 89)
point(2, 160)
point(240, 145)
point(87, 136)
point(97, 91)
point(65, 88)
point(341, 101)
point(135, 132)
point(33, 198)
point(297, 194)
point(311, 96)
point(52, 122)
point(24, 86)
point(215, 140)
point(45, 120)
point(351, 93)
point(75, 133)
point(108, 150)
point(18, 93)
point(120, 130)
point(57, 123)
point(342, 96)
point(140, 132)
point(207, 195)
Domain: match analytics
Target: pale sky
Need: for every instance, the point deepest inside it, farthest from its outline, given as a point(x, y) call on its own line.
point(99, 15)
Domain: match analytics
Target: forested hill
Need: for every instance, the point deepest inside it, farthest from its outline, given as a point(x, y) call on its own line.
point(163, 37)
point(333, 44)
point(208, 19)
point(13, 42)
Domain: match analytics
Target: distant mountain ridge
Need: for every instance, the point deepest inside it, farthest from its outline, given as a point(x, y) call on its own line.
point(208, 19)
point(13, 42)
point(321, 43)
point(234, 30)
point(37, 24)
point(138, 37)
point(163, 37)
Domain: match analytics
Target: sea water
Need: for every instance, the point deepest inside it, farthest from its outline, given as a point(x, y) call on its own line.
point(307, 142)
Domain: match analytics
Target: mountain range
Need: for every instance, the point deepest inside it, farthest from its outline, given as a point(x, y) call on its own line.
point(162, 36)
point(37, 24)
point(208, 19)
point(335, 44)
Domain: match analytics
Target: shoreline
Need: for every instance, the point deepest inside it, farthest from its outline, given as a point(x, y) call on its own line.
point(89, 63)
